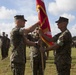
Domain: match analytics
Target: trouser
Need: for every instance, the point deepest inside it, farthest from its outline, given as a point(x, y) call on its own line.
point(63, 69)
point(3, 52)
point(36, 64)
point(18, 68)
point(7, 49)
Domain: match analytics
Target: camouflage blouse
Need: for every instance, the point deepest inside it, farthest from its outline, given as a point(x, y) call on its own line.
point(63, 53)
point(18, 46)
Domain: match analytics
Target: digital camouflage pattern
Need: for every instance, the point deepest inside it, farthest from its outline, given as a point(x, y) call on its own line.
point(35, 57)
point(18, 56)
point(63, 53)
point(18, 45)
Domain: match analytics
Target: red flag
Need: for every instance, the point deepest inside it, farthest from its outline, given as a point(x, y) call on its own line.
point(44, 22)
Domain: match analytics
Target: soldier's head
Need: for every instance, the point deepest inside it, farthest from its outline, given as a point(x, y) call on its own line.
point(37, 30)
point(62, 22)
point(3, 33)
point(35, 34)
point(19, 20)
point(6, 35)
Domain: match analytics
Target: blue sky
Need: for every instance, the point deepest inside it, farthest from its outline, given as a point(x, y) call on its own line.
point(54, 8)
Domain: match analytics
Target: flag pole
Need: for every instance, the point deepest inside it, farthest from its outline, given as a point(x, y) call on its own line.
point(42, 57)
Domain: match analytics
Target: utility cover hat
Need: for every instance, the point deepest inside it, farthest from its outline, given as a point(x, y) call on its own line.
point(20, 17)
point(62, 19)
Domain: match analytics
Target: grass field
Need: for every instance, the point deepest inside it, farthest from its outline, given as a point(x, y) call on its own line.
point(50, 67)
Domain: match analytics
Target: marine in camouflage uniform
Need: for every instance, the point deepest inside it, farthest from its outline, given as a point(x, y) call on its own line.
point(63, 53)
point(7, 45)
point(62, 47)
point(18, 57)
point(35, 56)
point(19, 42)
point(4, 46)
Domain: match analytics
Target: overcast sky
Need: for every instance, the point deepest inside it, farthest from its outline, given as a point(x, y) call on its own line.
point(54, 8)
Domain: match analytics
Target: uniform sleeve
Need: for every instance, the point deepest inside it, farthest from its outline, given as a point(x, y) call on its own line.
point(56, 37)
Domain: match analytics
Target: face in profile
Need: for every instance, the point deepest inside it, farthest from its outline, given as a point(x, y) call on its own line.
point(20, 22)
point(62, 25)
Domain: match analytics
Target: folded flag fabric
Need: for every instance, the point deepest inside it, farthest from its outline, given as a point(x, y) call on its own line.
point(44, 22)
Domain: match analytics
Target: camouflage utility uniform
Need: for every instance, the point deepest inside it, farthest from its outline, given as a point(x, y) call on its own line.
point(35, 57)
point(4, 47)
point(63, 53)
point(7, 45)
point(18, 57)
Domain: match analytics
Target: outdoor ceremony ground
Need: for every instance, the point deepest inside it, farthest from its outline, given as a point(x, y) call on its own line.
point(49, 70)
